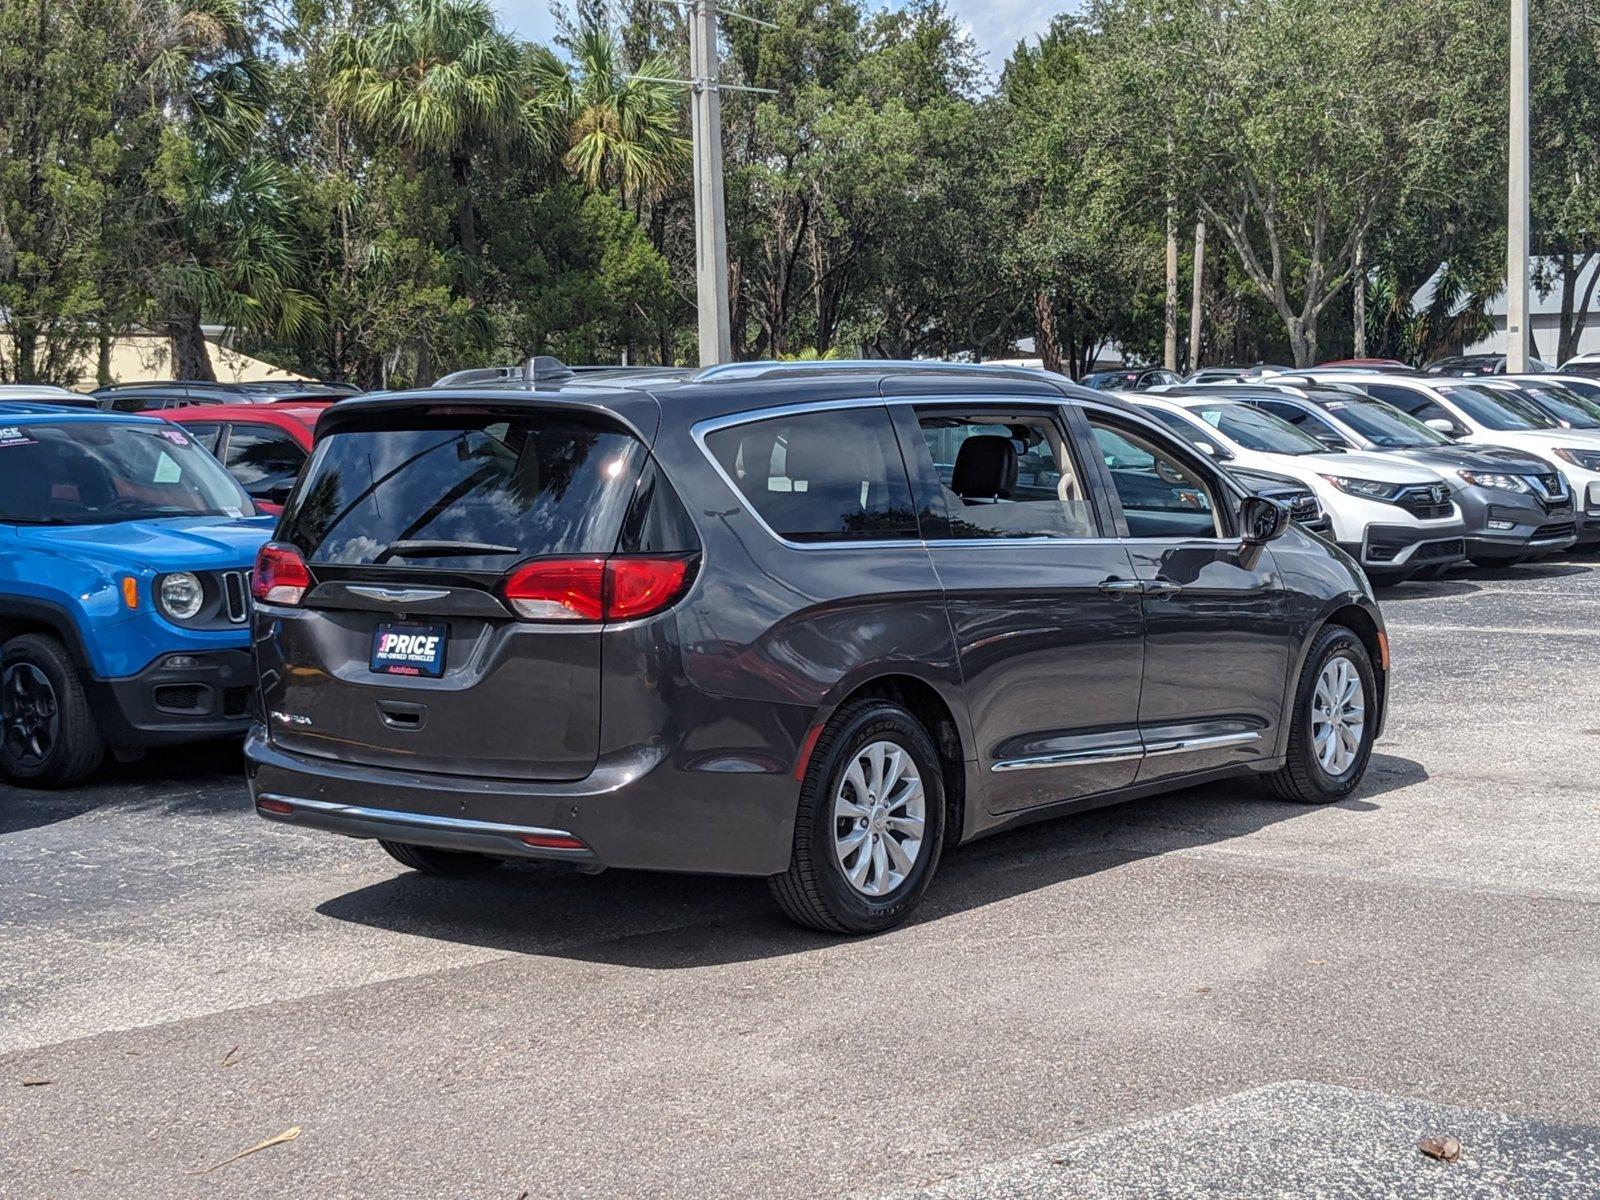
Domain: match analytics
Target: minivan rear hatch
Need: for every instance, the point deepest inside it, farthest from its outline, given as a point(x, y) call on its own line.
point(403, 652)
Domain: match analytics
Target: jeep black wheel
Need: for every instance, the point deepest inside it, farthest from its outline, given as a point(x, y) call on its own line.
point(870, 823)
point(48, 737)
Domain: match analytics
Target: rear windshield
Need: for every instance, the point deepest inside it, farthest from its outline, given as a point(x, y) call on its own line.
point(464, 492)
point(98, 474)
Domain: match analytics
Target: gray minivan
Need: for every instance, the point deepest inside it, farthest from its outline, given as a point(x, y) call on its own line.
point(813, 622)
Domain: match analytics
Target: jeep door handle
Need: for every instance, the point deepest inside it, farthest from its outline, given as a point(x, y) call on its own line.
point(1162, 589)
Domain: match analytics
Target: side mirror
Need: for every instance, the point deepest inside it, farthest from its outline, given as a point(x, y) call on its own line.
point(1211, 450)
point(1333, 441)
point(1440, 425)
point(1262, 520)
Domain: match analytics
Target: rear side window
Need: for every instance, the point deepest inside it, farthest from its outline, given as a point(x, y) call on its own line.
point(465, 492)
point(265, 460)
point(825, 476)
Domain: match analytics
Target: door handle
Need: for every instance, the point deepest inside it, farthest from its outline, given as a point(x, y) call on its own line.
point(1162, 589)
point(1118, 587)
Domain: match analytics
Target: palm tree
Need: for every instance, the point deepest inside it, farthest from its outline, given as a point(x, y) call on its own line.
point(440, 79)
point(221, 218)
point(622, 129)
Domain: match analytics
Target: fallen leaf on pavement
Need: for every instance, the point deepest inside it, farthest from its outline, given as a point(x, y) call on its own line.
point(231, 1058)
point(1445, 1149)
point(28, 1082)
point(1202, 991)
point(288, 1135)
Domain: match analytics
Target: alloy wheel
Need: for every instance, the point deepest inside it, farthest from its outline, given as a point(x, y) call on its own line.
point(29, 713)
point(1338, 715)
point(879, 818)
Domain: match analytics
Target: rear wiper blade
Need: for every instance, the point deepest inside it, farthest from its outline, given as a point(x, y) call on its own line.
point(424, 548)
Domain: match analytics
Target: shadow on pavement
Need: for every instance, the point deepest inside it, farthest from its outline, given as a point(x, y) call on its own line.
point(668, 922)
point(202, 778)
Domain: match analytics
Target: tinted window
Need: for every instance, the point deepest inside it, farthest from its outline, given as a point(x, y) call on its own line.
point(266, 460)
point(1571, 409)
point(1303, 419)
point(1497, 410)
point(1257, 430)
point(1383, 425)
point(1161, 495)
point(830, 475)
point(99, 474)
point(464, 492)
point(207, 435)
point(1007, 477)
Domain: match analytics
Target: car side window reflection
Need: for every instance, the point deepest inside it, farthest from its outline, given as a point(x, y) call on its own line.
point(1162, 497)
point(1006, 477)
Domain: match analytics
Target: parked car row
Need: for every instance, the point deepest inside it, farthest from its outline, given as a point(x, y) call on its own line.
point(810, 621)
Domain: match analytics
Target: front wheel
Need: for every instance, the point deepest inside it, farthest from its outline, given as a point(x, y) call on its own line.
point(1334, 715)
point(870, 823)
point(48, 736)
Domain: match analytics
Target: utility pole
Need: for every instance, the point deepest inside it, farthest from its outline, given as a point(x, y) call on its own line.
point(1517, 217)
point(1197, 294)
point(1170, 357)
point(710, 217)
point(1360, 321)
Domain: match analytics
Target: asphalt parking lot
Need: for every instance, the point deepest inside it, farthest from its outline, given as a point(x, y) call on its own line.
point(1210, 993)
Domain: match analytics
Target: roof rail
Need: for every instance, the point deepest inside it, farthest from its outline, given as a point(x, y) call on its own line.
point(537, 369)
point(759, 367)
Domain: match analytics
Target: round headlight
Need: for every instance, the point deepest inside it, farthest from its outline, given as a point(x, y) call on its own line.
point(181, 595)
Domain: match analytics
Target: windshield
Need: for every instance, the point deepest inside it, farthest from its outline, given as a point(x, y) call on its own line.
point(1498, 410)
point(92, 474)
point(464, 492)
point(1256, 430)
point(1384, 426)
point(1564, 404)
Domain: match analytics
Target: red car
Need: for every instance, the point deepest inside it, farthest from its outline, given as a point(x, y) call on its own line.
point(1386, 366)
point(262, 445)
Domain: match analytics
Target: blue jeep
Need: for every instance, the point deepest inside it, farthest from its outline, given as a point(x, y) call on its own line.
point(125, 552)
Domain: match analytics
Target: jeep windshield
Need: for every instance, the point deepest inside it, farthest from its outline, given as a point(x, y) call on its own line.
point(88, 473)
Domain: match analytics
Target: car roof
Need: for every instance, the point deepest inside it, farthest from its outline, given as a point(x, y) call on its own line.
point(20, 412)
point(640, 397)
point(300, 412)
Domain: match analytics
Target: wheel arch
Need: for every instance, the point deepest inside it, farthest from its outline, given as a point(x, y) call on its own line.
point(938, 716)
point(19, 615)
point(1363, 621)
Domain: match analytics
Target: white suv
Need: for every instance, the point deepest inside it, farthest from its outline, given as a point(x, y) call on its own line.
point(1472, 412)
point(1396, 518)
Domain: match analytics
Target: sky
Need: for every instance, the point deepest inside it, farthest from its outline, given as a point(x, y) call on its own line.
point(995, 25)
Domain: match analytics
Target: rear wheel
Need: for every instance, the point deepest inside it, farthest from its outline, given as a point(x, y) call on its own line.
point(48, 736)
point(432, 861)
point(870, 823)
point(1335, 710)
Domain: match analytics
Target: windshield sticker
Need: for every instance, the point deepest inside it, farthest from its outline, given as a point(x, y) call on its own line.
point(173, 436)
point(167, 471)
point(10, 435)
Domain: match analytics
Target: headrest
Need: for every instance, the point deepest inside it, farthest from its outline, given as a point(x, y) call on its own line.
point(986, 468)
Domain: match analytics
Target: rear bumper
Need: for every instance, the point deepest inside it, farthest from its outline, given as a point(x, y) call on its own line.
point(209, 697)
point(637, 810)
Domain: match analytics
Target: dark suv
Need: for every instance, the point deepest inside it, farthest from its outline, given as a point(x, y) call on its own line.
point(814, 622)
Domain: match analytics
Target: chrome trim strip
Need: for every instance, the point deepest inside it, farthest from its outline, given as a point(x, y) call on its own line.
point(1070, 758)
point(1214, 741)
point(427, 820)
point(389, 595)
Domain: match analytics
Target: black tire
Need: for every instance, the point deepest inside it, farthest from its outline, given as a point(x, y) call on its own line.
point(432, 861)
point(1302, 778)
point(48, 735)
point(815, 891)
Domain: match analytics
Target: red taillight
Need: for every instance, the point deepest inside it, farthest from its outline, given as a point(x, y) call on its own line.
point(596, 589)
point(281, 575)
point(552, 841)
point(637, 587)
point(281, 808)
point(558, 589)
